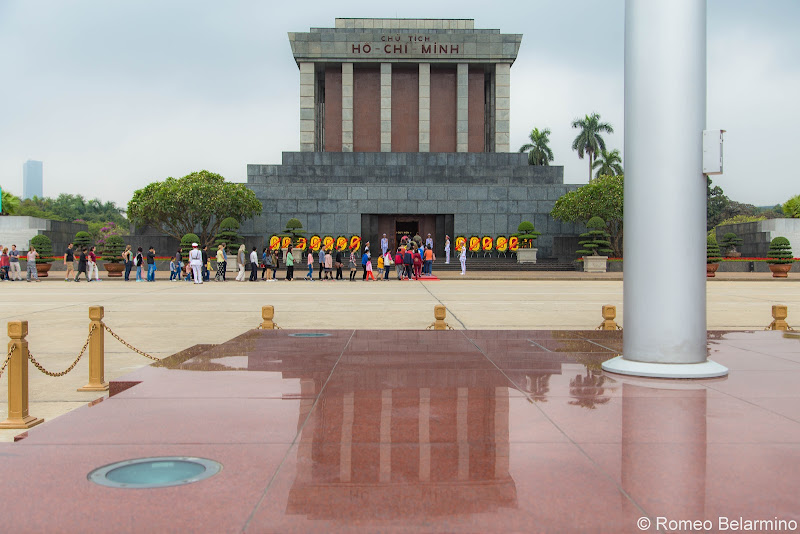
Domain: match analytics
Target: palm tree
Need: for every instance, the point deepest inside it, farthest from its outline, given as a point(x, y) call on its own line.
point(10, 203)
point(608, 164)
point(589, 140)
point(540, 153)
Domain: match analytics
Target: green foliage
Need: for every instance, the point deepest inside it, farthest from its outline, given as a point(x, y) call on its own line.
point(712, 250)
point(730, 241)
point(10, 203)
point(589, 141)
point(737, 219)
point(44, 247)
point(602, 198)
point(178, 206)
point(186, 242)
point(596, 241)
point(791, 208)
point(539, 152)
point(527, 234)
point(608, 163)
point(780, 251)
point(294, 228)
point(229, 223)
point(112, 248)
point(231, 238)
point(82, 239)
point(73, 208)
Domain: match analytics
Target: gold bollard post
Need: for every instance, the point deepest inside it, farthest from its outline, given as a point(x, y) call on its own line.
point(18, 379)
point(609, 314)
point(779, 314)
point(439, 313)
point(267, 314)
point(97, 351)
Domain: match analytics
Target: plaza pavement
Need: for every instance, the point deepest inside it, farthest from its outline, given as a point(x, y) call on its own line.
point(163, 317)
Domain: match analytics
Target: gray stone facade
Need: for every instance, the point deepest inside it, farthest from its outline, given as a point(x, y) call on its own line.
point(486, 193)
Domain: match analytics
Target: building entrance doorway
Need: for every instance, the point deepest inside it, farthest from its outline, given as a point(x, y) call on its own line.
point(402, 228)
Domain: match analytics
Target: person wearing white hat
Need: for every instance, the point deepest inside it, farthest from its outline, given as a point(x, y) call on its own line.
point(384, 245)
point(196, 261)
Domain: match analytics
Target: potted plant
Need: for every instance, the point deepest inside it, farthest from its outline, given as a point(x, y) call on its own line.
point(593, 243)
point(780, 257)
point(729, 243)
point(294, 229)
point(82, 239)
point(112, 255)
point(44, 247)
point(712, 256)
point(527, 234)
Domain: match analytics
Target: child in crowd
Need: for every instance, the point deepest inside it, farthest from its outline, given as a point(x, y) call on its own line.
point(369, 275)
point(173, 270)
point(381, 263)
point(328, 265)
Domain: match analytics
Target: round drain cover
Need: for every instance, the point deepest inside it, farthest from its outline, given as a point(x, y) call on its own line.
point(159, 472)
point(309, 334)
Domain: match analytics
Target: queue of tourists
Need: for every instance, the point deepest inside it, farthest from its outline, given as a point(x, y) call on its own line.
point(412, 260)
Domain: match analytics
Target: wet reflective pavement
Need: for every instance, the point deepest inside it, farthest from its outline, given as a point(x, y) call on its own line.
point(422, 431)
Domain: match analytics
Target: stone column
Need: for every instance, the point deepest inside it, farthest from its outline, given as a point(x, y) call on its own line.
point(665, 113)
point(502, 106)
point(424, 107)
point(462, 109)
point(386, 107)
point(307, 126)
point(347, 107)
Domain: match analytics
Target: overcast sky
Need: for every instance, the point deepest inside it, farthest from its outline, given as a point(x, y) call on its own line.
point(115, 95)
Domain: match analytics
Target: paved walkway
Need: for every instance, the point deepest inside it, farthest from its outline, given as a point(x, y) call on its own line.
point(163, 318)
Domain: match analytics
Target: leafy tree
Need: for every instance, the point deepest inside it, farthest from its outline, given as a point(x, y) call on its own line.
point(10, 203)
point(67, 207)
point(229, 235)
point(178, 206)
point(603, 198)
point(44, 247)
point(112, 248)
point(82, 239)
point(527, 234)
point(730, 241)
point(791, 208)
point(294, 228)
point(608, 164)
point(716, 204)
point(538, 151)
point(595, 241)
point(589, 141)
point(186, 243)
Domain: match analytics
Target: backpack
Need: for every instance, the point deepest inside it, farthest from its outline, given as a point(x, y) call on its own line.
point(138, 261)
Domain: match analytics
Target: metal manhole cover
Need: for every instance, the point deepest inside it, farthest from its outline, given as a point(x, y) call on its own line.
point(309, 334)
point(158, 472)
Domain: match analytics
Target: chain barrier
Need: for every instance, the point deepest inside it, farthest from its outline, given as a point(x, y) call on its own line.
point(71, 367)
point(788, 328)
point(430, 326)
point(8, 359)
point(134, 349)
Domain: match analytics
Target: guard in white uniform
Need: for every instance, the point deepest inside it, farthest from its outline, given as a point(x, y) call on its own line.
point(196, 261)
point(447, 249)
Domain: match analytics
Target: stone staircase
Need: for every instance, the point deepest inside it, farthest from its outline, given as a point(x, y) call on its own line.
point(494, 263)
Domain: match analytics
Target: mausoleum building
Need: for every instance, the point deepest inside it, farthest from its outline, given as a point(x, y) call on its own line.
point(404, 128)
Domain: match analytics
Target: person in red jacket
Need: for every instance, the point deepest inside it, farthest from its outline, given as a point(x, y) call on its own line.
point(417, 264)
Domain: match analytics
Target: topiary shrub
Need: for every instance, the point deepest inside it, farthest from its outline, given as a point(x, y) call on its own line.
point(229, 235)
point(82, 239)
point(112, 249)
point(780, 251)
point(729, 243)
point(44, 247)
point(294, 229)
point(527, 234)
point(596, 240)
point(186, 243)
point(712, 250)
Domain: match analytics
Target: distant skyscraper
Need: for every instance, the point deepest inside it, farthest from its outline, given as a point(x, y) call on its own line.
point(32, 179)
